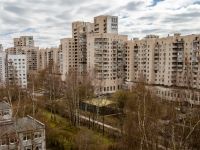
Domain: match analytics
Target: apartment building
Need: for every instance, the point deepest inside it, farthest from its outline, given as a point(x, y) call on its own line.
point(48, 57)
point(24, 133)
point(169, 61)
point(3, 69)
point(105, 55)
point(170, 64)
point(13, 70)
point(79, 33)
point(69, 55)
point(1, 48)
point(75, 50)
point(25, 45)
point(16, 70)
point(102, 24)
point(106, 24)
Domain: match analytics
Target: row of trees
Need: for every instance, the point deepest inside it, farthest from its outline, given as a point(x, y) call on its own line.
point(151, 123)
point(145, 121)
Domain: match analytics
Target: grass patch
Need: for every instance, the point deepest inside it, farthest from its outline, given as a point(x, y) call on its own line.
point(62, 135)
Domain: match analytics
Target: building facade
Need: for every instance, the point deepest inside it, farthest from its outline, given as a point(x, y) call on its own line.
point(13, 70)
point(16, 70)
point(1, 48)
point(105, 55)
point(24, 133)
point(48, 57)
point(25, 46)
point(170, 61)
point(3, 69)
point(78, 55)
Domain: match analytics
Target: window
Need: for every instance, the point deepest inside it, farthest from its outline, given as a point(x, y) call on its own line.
point(5, 112)
point(38, 147)
point(12, 140)
point(27, 148)
point(26, 137)
point(38, 135)
point(3, 142)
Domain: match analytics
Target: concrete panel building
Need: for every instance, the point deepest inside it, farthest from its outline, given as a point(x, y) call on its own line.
point(105, 55)
point(3, 69)
point(25, 45)
point(16, 70)
point(47, 57)
point(169, 61)
point(77, 53)
point(69, 56)
point(1, 48)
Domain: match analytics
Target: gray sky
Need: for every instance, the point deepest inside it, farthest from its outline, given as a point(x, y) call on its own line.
point(50, 20)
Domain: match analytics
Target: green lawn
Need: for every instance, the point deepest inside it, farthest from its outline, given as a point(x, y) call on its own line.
point(62, 135)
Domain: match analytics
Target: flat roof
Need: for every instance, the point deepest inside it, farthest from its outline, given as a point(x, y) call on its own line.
point(99, 102)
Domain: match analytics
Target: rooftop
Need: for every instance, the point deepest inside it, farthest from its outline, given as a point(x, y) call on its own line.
point(24, 124)
point(99, 102)
point(4, 105)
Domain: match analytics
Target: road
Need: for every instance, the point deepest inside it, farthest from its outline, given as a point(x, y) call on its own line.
point(100, 123)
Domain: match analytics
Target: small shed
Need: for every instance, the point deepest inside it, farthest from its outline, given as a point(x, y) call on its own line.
point(100, 106)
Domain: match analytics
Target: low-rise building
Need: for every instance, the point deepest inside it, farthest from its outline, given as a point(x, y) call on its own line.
point(24, 133)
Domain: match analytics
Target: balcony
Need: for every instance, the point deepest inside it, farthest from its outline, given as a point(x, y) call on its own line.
point(194, 59)
point(179, 59)
point(156, 56)
point(114, 68)
point(196, 41)
point(195, 48)
point(135, 48)
point(105, 56)
point(156, 68)
point(194, 68)
point(98, 65)
point(156, 51)
point(173, 68)
point(175, 49)
point(180, 46)
point(174, 60)
point(179, 68)
point(98, 60)
point(179, 65)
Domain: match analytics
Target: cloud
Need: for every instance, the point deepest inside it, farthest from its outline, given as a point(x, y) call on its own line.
point(132, 6)
point(49, 20)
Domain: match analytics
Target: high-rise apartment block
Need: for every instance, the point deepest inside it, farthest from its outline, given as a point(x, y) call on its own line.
point(105, 55)
point(13, 70)
point(118, 61)
point(3, 69)
point(1, 48)
point(106, 24)
point(96, 46)
point(169, 61)
point(48, 57)
point(16, 70)
point(25, 45)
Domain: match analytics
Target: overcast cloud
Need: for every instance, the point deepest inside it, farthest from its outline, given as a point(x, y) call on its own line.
point(50, 20)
